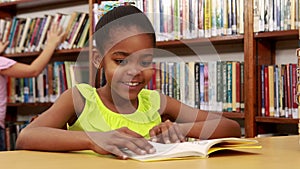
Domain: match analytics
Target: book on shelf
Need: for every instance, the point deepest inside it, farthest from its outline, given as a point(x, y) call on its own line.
point(7, 27)
point(212, 87)
point(200, 149)
point(238, 87)
point(48, 20)
point(271, 89)
point(229, 86)
point(233, 86)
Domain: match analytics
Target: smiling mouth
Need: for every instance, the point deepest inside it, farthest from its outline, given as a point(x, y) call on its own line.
point(131, 84)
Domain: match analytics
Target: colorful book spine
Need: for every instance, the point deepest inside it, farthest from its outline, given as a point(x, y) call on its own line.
point(219, 104)
point(271, 90)
point(233, 85)
point(242, 87)
point(238, 87)
point(207, 18)
point(277, 92)
point(229, 86)
point(202, 97)
point(224, 82)
point(263, 107)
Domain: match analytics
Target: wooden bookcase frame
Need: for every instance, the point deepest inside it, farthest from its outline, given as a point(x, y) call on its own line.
point(258, 48)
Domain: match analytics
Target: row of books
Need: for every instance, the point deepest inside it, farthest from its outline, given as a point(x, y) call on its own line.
point(187, 19)
point(275, 15)
point(212, 86)
point(278, 90)
point(30, 34)
point(53, 81)
point(12, 130)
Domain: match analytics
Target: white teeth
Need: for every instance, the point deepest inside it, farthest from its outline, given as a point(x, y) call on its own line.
point(132, 83)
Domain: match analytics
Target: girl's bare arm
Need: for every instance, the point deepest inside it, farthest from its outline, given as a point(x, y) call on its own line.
point(198, 123)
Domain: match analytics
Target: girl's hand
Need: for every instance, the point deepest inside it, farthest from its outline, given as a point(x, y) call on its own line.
point(3, 46)
point(111, 142)
point(167, 132)
point(55, 35)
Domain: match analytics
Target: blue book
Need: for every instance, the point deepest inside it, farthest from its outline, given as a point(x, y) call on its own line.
point(26, 90)
point(263, 109)
point(229, 86)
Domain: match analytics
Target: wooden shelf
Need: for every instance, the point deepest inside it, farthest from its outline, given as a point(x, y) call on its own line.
point(278, 35)
point(29, 104)
point(234, 115)
point(202, 41)
point(276, 120)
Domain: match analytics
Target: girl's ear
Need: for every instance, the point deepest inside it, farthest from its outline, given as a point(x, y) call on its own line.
point(97, 58)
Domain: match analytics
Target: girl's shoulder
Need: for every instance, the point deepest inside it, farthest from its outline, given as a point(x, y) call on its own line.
point(86, 90)
point(6, 62)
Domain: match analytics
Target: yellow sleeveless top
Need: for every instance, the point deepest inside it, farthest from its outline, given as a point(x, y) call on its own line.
point(97, 117)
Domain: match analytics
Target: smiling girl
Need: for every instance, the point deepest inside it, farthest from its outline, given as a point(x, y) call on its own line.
point(121, 114)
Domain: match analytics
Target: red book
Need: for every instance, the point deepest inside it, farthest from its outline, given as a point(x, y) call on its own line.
point(35, 32)
point(285, 89)
point(289, 91)
point(266, 86)
point(294, 88)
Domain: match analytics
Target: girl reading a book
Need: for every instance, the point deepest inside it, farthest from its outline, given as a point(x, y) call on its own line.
point(122, 113)
point(11, 68)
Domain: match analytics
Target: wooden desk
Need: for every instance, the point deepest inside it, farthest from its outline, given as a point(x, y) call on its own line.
point(277, 153)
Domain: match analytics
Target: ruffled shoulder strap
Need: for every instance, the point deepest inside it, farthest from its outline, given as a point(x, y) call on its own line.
point(86, 90)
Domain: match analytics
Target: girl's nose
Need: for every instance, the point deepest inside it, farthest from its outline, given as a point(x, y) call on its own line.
point(133, 70)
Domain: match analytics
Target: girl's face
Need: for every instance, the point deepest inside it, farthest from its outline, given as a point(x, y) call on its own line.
point(128, 66)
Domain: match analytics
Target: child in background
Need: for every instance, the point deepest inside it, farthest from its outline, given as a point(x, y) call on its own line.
point(11, 68)
point(121, 114)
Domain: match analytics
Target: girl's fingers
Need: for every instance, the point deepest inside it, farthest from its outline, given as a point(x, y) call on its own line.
point(135, 142)
point(117, 152)
point(153, 133)
point(165, 133)
point(179, 134)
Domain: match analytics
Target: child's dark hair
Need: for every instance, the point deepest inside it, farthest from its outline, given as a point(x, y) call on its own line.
point(121, 17)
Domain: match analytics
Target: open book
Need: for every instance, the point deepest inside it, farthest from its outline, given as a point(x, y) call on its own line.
point(193, 149)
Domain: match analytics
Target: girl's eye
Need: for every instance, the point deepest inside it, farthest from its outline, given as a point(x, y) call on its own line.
point(146, 63)
point(121, 61)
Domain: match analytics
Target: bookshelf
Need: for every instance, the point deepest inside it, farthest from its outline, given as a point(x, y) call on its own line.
point(257, 48)
point(260, 48)
point(24, 9)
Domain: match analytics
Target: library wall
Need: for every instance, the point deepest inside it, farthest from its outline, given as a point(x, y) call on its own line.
point(286, 53)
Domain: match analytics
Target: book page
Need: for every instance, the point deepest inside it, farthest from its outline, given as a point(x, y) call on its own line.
point(168, 151)
point(200, 148)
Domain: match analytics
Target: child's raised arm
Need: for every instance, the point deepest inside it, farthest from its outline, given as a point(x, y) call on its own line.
point(54, 38)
